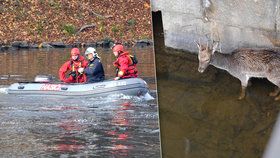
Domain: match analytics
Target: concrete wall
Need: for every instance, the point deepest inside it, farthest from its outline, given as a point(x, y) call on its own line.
point(235, 23)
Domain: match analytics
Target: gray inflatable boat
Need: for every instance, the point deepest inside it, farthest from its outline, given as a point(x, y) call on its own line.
point(44, 86)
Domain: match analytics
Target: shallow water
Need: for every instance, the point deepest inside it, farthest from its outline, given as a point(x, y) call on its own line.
point(109, 126)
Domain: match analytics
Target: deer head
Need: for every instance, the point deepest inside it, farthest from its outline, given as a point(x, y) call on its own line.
point(205, 55)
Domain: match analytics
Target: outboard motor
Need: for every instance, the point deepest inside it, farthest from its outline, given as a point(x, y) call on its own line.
point(44, 78)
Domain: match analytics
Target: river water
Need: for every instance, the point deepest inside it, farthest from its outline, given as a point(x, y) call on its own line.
point(200, 114)
point(109, 126)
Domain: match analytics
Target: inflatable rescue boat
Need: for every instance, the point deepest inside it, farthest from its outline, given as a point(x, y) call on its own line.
point(43, 85)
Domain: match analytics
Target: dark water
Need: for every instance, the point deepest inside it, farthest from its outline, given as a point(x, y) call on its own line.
point(201, 116)
point(109, 126)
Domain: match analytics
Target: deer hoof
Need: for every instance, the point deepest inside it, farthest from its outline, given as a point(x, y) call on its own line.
point(273, 94)
point(241, 97)
point(277, 98)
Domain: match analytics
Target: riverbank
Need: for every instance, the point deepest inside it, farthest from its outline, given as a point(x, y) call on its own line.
point(16, 45)
point(45, 24)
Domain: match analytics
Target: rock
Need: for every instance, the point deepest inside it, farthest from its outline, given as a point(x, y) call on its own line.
point(99, 43)
point(106, 43)
point(76, 44)
point(5, 47)
point(90, 45)
point(68, 46)
point(20, 44)
point(45, 45)
point(58, 44)
point(24, 45)
point(143, 43)
point(33, 46)
point(128, 44)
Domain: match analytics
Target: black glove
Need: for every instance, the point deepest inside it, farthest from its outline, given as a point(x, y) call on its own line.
point(73, 74)
point(117, 71)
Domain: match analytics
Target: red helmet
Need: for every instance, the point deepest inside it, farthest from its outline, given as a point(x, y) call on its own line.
point(118, 48)
point(75, 51)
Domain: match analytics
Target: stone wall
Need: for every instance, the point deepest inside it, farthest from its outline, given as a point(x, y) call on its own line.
point(235, 23)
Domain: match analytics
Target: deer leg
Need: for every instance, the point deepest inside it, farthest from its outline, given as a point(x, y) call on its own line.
point(244, 83)
point(277, 98)
point(275, 92)
point(275, 81)
point(243, 93)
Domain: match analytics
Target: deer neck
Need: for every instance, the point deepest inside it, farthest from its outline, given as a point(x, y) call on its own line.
point(220, 60)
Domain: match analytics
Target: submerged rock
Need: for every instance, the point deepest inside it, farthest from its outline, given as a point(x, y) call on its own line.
point(33, 45)
point(90, 44)
point(20, 44)
point(58, 44)
point(4, 47)
point(76, 44)
point(143, 43)
point(45, 45)
point(106, 43)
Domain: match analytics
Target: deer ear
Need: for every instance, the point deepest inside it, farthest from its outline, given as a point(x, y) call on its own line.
point(215, 47)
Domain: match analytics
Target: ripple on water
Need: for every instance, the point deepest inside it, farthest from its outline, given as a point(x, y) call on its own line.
point(3, 90)
point(64, 127)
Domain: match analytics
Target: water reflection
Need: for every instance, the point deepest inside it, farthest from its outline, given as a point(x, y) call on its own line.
point(103, 127)
point(119, 132)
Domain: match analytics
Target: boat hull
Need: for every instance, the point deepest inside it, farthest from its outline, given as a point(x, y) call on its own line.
point(131, 86)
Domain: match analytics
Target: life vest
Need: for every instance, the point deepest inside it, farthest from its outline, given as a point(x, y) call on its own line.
point(134, 59)
point(72, 65)
point(126, 70)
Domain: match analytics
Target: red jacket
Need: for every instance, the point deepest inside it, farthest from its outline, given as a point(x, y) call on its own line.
point(70, 66)
point(125, 65)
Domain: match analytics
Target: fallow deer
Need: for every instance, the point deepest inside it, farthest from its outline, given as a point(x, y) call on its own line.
point(243, 64)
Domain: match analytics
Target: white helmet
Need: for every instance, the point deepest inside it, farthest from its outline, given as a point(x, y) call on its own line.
point(91, 50)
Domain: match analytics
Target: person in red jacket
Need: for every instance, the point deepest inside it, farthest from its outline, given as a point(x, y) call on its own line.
point(125, 63)
point(75, 66)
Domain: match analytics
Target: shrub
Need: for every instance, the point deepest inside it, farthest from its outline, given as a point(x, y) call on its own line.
point(69, 29)
point(115, 29)
point(131, 22)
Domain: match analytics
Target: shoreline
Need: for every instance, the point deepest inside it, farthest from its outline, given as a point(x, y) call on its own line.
point(18, 45)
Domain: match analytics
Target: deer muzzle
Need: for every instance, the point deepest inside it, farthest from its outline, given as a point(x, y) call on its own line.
point(200, 69)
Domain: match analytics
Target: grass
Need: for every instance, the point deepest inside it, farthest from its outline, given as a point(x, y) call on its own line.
point(40, 27)
point(54, 4)
point(69, 29)
point(115, 29)
point(131, 22)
